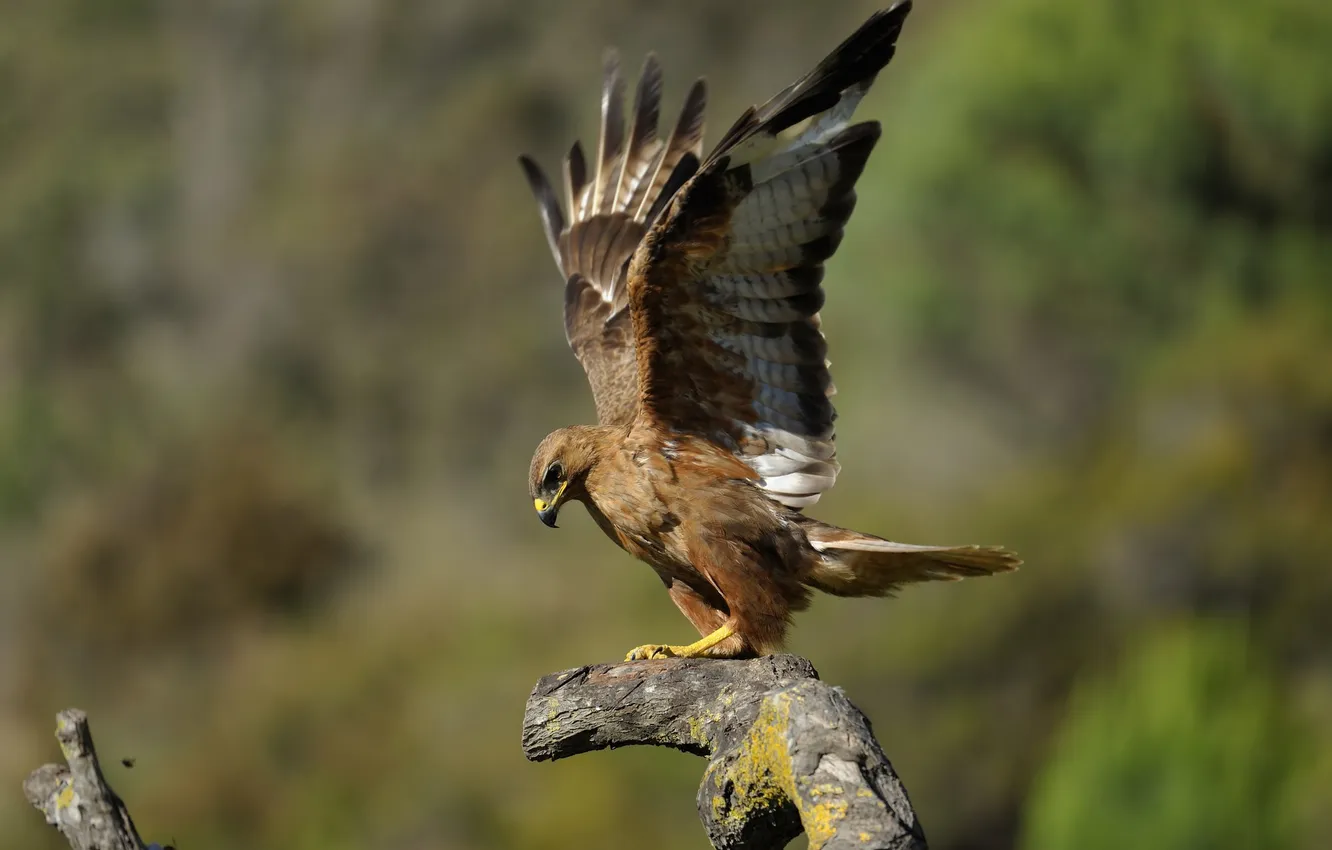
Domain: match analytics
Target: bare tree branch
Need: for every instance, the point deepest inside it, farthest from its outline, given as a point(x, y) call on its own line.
point(788, 753)
point(75, 797)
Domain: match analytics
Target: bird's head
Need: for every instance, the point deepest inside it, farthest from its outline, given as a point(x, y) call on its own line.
point(559, 469)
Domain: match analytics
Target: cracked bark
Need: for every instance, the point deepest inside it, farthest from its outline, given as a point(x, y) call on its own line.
point(787, 752)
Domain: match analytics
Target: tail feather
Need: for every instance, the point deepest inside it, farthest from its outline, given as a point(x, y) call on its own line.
point(850, 563)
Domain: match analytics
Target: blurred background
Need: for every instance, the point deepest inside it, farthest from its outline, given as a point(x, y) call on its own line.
point(279, 331)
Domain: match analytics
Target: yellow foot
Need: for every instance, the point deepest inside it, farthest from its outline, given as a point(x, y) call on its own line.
point(653, 650)
point(694, 650)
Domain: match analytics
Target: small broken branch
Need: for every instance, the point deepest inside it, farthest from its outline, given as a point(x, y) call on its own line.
point(788, 753)
point(75, 797)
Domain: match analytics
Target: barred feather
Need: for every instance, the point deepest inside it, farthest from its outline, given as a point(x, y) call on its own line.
point(694, 283)
point(730, 299)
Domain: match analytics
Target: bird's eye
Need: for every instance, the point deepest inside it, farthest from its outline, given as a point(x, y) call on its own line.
point(553, 477)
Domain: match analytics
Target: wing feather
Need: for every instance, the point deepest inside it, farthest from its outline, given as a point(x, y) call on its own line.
point(552, 217)
point(693, 285)
point(611, 146)
point(725, 289)
point(686, 140)
point(644, 146)
point(575, 178)
point(608, 215)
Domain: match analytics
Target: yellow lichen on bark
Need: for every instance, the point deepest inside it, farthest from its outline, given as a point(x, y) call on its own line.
point(700, 724)
point(762, 777)
point(821, 819)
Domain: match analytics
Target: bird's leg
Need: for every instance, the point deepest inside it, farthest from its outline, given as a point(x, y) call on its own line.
point(696, 649)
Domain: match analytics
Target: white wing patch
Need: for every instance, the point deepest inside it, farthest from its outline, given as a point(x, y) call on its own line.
point(769, 279)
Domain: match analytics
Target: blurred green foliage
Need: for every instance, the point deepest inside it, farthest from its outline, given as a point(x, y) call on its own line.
point(1093, 185)
point(1187, 746)
point(278, 333)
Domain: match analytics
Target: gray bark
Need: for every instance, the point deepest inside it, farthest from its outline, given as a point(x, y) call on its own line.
point(75, 797)
point(788, 753)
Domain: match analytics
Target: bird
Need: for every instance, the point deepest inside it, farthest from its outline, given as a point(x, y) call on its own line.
point(692, 291)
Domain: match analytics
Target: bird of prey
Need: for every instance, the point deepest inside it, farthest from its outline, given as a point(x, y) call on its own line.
point(692, 293)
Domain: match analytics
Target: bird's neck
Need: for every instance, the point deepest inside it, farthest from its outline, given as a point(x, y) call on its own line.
point(589, 448)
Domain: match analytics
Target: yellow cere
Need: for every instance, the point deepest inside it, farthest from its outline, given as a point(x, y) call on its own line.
point(540, 505)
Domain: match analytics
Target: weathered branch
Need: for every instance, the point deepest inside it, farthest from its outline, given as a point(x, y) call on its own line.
point(75, 797)
point(788, 752)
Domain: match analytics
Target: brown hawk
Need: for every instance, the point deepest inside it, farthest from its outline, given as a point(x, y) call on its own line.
point(692, 297)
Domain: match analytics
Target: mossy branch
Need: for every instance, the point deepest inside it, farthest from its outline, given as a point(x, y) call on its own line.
point(788, 753)
point(75, 797)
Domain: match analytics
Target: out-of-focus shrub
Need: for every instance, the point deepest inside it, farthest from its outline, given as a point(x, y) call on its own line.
point(214, 537)
point(1185, 746)
point(1083, 182)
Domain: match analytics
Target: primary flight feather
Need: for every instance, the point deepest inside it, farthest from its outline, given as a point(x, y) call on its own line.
point(693, 286)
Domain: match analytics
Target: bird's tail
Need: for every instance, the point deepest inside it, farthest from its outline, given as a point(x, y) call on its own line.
point(850, 563)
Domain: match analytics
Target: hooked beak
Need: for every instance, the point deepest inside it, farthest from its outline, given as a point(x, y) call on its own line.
point(548, 511)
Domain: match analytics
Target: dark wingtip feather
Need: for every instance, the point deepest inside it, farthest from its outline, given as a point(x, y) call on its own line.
point(686, 137)
point(575, 177)
point(647, 103)
point(612, 129)
point(552, 217)
point(643, 149)
point(854, 146)
point(690, 123)
point(853, 63)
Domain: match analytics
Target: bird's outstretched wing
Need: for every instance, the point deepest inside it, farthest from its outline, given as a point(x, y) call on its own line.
point(608, 216)
point(725, 289)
